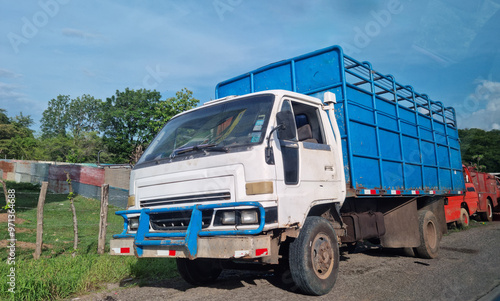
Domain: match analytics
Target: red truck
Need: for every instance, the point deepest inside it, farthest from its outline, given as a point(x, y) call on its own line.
point(482, 193)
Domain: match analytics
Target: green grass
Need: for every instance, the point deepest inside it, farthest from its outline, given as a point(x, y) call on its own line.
point(57, 274)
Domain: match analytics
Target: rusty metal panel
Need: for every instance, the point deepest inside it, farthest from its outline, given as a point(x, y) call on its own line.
point(9, 170)
point(117, 177)
point(401, 225)
point(91, 175)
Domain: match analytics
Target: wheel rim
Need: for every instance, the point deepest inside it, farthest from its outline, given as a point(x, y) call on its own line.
point(465, 218)
point(430, 231)
point(322, 256)
point(490, 211)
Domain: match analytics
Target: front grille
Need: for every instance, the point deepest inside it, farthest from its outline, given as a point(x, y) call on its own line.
point(178, 220)
point(197, 198)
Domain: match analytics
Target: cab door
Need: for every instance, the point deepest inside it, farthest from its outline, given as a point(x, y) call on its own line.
point(308, 163)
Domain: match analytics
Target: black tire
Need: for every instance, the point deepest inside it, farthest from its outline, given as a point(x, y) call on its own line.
point(488, 215)
point(464, 220)
point(430, 235)
point(198, 271)
point(408, 252)
point(314, 257)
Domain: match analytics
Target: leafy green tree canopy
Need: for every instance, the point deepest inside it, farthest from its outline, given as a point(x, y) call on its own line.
point(75, 116)
point(133, 117)
point(16, 137)
point(481, 147)
point(55, 118)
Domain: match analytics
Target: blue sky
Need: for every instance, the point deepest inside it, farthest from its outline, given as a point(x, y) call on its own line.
point(448, 49)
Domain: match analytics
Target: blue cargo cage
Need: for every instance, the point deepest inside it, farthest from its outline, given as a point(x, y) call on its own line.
point(395, 141)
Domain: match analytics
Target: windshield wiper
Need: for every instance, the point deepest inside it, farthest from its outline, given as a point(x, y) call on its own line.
point(203, 147)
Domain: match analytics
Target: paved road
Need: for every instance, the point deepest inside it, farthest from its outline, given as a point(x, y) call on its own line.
point(468, 268)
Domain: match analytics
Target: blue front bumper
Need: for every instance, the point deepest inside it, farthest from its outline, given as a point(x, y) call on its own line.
point(194, 230)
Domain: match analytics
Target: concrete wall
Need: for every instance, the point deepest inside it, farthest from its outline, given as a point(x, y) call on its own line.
point(86, 179)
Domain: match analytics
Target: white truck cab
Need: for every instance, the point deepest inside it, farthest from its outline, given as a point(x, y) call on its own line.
point(248, 170)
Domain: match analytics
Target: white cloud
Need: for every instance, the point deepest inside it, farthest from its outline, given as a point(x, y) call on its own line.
point(481, 109)
point(8, 74)
point(7, 91)
point(76, 33)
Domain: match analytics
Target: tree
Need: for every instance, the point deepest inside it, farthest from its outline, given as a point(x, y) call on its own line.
point(4, 119)
point(16, 138)
point(84, 115)
point(55, 118)
point(125, 120)
point(133, 117)
point(85, 148)
point(167, 109)
point(76, 116)
point(483, 145)
point(70, 129)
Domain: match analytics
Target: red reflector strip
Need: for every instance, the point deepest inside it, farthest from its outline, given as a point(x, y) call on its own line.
point(121, 250)
point(368, 191)
point(415, 192)
point(432, 192)
point(166, 252)
point(395, 191)
point(261, 252)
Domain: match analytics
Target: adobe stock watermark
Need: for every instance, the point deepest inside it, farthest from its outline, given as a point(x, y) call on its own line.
point(31, 26)
point(223, 6)
point(11, 228)
point(363, 36)
point(483, 92)
point(153, 78)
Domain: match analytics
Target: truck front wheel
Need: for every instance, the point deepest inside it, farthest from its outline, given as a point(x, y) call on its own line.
point(430, 236)
point(314, 257)
point(198, 271)
point(488, 215)
point(463, 222)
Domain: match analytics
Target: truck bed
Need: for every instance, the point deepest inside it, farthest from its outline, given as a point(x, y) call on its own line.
point(395, 141)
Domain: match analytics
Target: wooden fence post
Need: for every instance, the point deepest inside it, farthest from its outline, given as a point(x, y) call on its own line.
point(5, 192)
point(75, 221)
point(101, 244)
point(39, 221)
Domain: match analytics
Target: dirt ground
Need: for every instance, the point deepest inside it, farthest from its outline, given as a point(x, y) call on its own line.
point(4, 219)
point(466, 269)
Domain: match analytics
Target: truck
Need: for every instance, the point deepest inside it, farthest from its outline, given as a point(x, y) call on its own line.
point(487, 192)
point(290, 162)
point(459, 209)
point(480, 198)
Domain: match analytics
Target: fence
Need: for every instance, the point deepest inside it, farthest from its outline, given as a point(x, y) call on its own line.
point(87, 178)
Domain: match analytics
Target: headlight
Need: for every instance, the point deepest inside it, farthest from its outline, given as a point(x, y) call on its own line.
point(229, 218)
point(134, 223)
point(249, 217)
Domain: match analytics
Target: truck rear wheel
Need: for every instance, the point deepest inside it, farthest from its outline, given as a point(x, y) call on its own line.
point(488, 215)
point(314, 257)
point(198, 271)
point(463, 222)
point(430, 236)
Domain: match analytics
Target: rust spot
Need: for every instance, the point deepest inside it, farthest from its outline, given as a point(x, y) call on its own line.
point(6, 166)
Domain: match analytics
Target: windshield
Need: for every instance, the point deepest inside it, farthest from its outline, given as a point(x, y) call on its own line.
point(213, 129)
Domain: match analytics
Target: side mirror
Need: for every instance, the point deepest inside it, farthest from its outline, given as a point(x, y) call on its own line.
point(286, 125)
